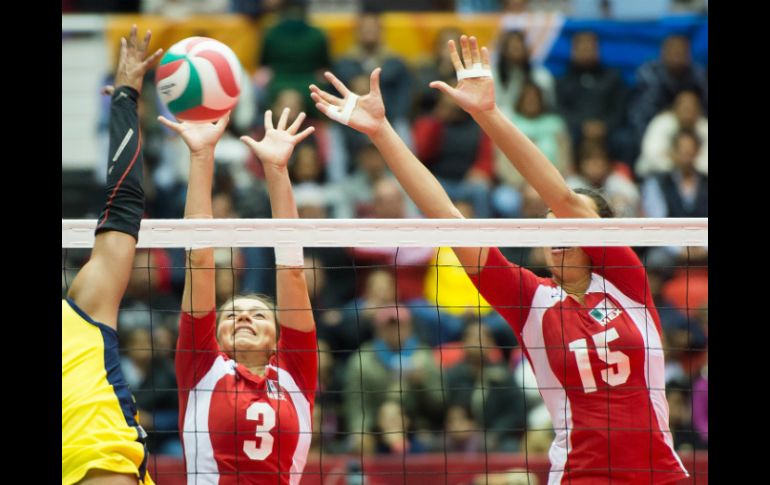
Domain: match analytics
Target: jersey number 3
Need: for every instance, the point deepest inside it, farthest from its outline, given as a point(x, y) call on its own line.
point(613, 376)
point(260, 411)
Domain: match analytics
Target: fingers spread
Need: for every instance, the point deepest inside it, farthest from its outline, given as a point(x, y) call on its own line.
point(338, 85)
point(297, 123)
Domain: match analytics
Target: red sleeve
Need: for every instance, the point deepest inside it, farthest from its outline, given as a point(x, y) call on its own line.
point(623, 268)
point(509, 288)
point(427, 134)
point(298, 354)
point(483, 160)
point(196, 349)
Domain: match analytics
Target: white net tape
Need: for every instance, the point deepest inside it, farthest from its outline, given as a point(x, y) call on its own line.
point(196, 233)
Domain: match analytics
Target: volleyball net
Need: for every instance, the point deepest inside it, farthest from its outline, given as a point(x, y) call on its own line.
point(420, 379)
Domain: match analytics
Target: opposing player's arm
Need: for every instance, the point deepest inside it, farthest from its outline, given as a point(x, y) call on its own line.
point(274, 150)
point(367, 115)
point(476, 95)
point(101, 283)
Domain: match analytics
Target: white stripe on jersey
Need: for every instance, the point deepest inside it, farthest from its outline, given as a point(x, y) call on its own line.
point(654, 366)
point(302, 406)
point(554, 394)
point(199, 454)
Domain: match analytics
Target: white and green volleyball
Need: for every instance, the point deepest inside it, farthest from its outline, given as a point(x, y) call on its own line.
point(199, 79)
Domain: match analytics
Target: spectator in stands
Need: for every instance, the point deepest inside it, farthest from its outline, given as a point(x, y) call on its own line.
point(393, 430)
point(153, 382)
point(463, 434)
point(524, 379)
point(355, 195)
point(339, 276)
point(596, 171)
point(327, 413)
point(683, 191)
point(394, 365)
point(685, 114)
point(658, 82)
point(544, 127)
point(514, 68)
point(680, 417)
point(482, 384)
point(700, 405)
point(591, 96)
point(346, 329)
point(439, 66)
point(457, 152)
point(295, 54)
point(369, 52)
point(148, 299)
point(688, 287)
point(686, 348)
point(305, 166)
point(164, 342)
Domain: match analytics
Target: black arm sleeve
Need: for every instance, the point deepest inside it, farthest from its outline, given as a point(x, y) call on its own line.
point(124, 206)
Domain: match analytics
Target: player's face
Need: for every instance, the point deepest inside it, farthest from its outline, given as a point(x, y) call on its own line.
point(566, 264)
point(247, 325)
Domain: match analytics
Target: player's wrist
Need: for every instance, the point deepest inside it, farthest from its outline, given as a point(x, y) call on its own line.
point(127, 90)
point(202, 154)
point(380, 130)
point(485, 112)
point(135, 84)
point(276, 168)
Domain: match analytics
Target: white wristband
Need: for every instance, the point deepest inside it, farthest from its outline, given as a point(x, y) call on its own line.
point(347, 110)
point(476, 70)
point(289, 256)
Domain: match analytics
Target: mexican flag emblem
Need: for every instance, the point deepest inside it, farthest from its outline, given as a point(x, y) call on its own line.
point(605, 312)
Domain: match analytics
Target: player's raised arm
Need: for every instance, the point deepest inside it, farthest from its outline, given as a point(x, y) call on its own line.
point(475, 93)
point(274, 151)
point(100, 284)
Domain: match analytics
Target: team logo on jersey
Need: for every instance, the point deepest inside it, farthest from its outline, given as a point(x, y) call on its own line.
point(274, 391)
point(605, 312)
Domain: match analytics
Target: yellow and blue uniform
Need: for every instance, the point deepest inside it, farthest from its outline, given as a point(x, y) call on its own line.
point(99, 424)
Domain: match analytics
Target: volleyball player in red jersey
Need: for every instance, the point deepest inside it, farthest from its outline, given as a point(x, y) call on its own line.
point(246, 401)
point(591, 331)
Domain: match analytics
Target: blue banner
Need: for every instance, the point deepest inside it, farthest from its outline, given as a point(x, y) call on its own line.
point(628, 44)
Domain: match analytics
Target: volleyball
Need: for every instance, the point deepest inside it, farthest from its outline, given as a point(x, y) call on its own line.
point(199, 79)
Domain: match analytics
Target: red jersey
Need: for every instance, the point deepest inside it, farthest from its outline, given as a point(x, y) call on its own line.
point(599, 366)
point(238, 427)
